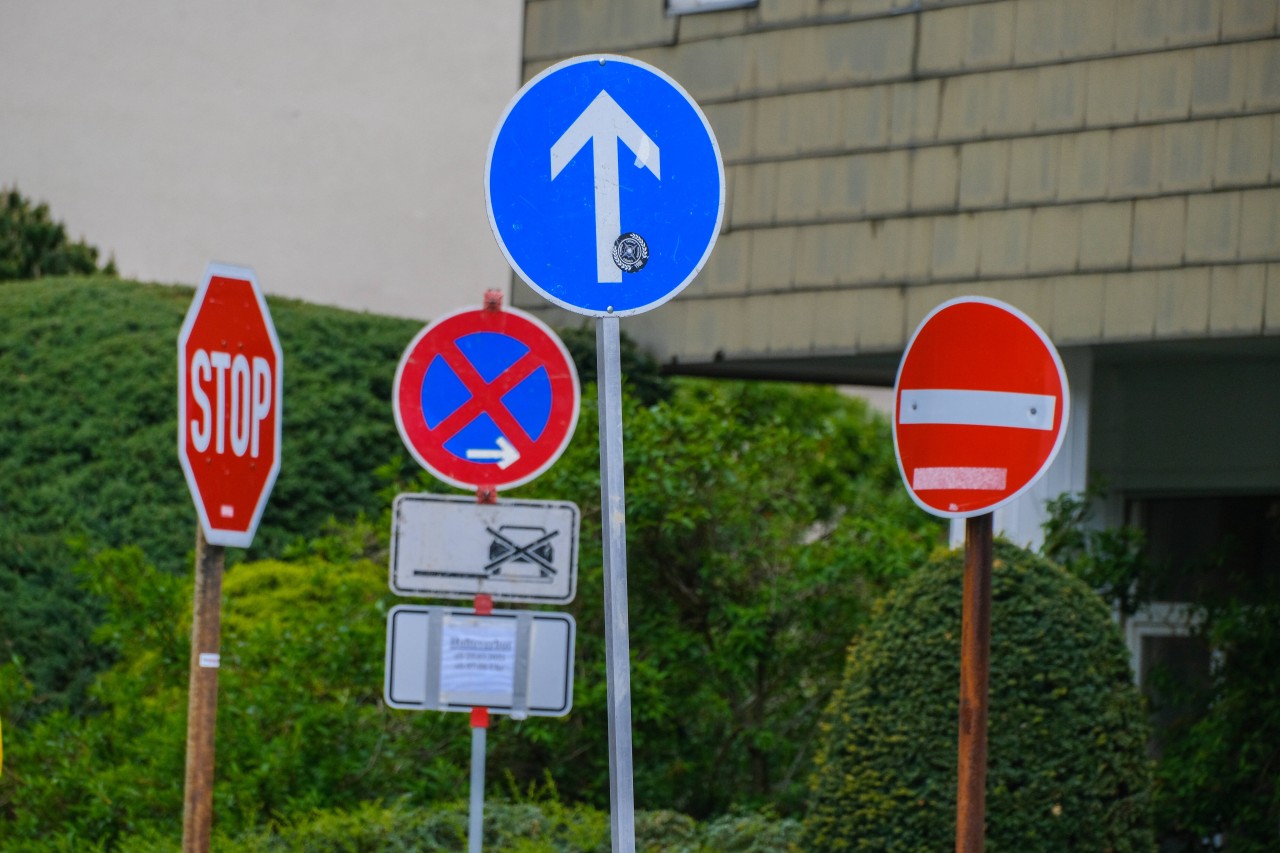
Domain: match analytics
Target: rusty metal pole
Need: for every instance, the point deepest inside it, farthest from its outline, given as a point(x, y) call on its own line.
point(975, 669)
point(202, 698)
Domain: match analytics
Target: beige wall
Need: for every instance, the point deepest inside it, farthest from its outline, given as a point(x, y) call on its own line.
point(338, 148)
point(1112, 167)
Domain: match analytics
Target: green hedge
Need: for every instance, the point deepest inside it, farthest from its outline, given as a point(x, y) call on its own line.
point(512, 827)
point(88, 377)
point(33, 244)
point(1067, 736)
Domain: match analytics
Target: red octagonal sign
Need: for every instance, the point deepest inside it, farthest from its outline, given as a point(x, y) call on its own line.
point(230, 380)
point(980, 407)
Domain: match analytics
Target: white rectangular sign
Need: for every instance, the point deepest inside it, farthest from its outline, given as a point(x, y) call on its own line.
point(516, 662)
point(450, 546)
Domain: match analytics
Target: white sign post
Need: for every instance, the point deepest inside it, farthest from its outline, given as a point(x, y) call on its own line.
point(450, 546)
point(607, 238)
point(514, 662)
point(485, 399)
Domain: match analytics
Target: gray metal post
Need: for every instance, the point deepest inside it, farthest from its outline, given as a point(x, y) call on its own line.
point(475, 822)
point(613, 508)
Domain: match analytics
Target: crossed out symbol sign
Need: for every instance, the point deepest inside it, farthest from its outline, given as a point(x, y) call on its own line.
point(506, 550)
point(486, 398)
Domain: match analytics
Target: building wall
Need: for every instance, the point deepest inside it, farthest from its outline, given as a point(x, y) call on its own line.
point(1111, 167)
point(1206, 419)
point(337, 148)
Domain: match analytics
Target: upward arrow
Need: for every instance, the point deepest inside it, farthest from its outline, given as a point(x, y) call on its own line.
point(602, 124)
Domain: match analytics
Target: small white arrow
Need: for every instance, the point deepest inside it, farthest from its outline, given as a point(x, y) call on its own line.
point(506, 454)
point(602, 124)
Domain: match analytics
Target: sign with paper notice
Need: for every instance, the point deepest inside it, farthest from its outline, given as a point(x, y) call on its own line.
point(477, 661)
point(516, 662)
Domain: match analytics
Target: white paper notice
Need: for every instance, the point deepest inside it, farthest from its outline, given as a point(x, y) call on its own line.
point(478, 660)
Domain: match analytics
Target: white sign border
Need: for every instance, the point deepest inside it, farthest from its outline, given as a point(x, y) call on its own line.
point(551, 459)
point(433, 703)
point(1066, 406)
point(603, 58)
point(213, 535)
point(496, 595)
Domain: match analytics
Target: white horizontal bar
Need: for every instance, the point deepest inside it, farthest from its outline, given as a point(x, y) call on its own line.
point(973, 479)
point(977, 408)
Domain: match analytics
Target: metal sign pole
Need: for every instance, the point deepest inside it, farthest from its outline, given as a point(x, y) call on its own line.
point(202, 700)
point(975, 668)
point(483, 605)
point(617, 649)
point(475, 820)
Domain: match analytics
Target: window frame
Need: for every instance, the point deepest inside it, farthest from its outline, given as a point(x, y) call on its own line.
point(696, 7)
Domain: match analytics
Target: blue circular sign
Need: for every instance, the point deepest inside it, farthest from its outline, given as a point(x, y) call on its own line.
point(605, 186)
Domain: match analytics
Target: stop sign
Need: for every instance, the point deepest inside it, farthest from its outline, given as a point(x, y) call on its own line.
point(980, 407)
point(230, 378)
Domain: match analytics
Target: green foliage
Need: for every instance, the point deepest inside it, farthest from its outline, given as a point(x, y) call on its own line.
point(1219, 776)
point(302, 735)
point(33, 245)
point(519, 827)
point(1111, 560)
point(88, 427)
point(301, 724)
point(762, 520)
point(645, 382)
point(1067, 734)
point(1219, 773)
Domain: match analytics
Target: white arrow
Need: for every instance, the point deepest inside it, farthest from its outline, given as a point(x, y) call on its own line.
point(506, 454)
point(602, 124)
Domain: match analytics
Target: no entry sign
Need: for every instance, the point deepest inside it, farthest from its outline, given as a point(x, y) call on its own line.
point(980, 407)
point(486, 398)
point(230, 380)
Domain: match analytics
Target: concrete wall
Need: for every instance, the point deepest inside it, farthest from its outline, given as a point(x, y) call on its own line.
point(338, 148)
point(1112, 167)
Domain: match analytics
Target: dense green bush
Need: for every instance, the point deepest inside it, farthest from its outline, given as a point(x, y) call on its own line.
point(88, 434)
point(645, 382)
point(308, 758)
point(544, 826)
point(762, 521)
point(301, 723)
point(1067, 736)
point(33, 244)
point(1218, 777)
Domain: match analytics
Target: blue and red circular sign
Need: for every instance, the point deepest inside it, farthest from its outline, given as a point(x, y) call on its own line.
point(486, 398)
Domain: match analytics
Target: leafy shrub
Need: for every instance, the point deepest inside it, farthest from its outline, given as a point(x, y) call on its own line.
point(33, 244)
point(88, 427)
point(1111, 560)
point(643, 378)
point(762, 520)
point(301, 724)
point(519, 827)
point(1218, 777)
point(1067, 735)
